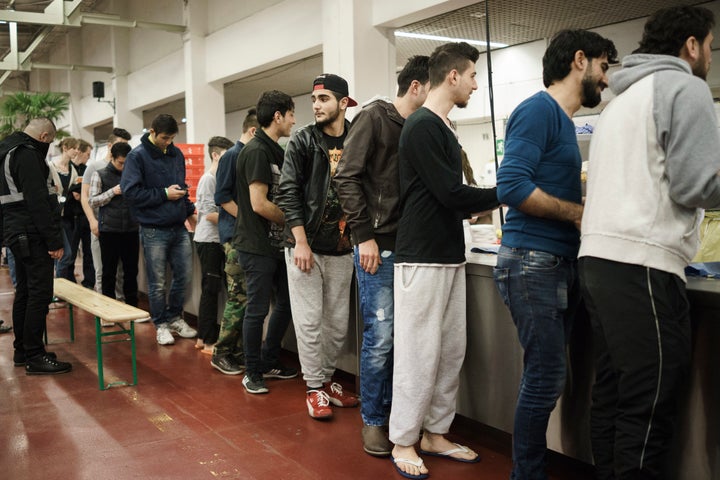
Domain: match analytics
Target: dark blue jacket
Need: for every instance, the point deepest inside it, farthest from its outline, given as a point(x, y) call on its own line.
point(147, 173)
point(226, 190)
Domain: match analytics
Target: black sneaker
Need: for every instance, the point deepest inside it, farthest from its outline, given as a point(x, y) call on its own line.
point(239, 358)
point(281, 372)
point(19, 358)
point(226, 364)
point(46, 365)
point(254, 383)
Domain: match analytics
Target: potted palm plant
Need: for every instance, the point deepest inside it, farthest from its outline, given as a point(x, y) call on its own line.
point(18, 109)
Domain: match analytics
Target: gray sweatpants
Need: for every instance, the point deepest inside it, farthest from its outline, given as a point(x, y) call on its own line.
point(430, 340)
point(320, 302)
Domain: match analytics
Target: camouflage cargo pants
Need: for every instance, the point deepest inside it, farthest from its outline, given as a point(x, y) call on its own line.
point(230, 340)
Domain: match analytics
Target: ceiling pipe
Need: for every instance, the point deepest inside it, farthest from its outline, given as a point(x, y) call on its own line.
point(115, 21)
point(75, 67)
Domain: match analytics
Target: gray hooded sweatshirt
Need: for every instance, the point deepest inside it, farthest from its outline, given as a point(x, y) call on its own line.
point(654, 162)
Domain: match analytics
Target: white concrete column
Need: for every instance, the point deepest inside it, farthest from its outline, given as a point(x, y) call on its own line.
point(130, 120)
point(357, 51)
point(204, 102)
point(73, 42)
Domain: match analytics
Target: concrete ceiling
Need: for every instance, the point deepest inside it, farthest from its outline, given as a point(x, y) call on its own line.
point(512, 22)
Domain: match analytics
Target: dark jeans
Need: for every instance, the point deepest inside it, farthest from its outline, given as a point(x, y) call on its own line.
point(81, 233)
point(263, 276)
point(542, 292)
point(212, 262)
point(642, 338)
point(33, 293)
point(65, 264)
point(125, 247)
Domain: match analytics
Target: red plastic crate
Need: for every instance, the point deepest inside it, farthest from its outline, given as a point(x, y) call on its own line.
point(189, 149)
point(194, 165)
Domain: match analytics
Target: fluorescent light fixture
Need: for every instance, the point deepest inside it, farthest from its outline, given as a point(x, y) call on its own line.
point(437, 38)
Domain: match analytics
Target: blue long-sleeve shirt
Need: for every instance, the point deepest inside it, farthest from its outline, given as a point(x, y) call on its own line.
point(541, 151)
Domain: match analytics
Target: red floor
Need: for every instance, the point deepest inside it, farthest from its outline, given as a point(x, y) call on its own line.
point(185, 420)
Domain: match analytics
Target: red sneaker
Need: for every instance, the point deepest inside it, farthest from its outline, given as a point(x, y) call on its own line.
point(338, 398)
point(318, 404)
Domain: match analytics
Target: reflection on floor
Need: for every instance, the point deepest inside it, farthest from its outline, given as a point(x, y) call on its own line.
point(186, 420)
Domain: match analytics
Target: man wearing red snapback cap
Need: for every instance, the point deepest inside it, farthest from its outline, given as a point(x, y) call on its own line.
point(318, 252)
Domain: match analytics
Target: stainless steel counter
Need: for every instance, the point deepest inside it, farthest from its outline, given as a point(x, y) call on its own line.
point(493, 367)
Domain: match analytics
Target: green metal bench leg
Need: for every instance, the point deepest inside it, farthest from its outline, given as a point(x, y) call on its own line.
point(72, 322)
point(132, 349)
point(72, 326)
point(98, 345)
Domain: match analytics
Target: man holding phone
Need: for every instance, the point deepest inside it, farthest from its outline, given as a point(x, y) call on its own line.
point(153, 182)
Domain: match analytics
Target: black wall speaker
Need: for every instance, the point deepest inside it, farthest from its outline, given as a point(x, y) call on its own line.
point(98, 89)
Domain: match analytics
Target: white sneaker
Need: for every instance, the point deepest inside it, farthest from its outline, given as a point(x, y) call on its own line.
point(143, 320)
point(164, 336)
point(183, 329)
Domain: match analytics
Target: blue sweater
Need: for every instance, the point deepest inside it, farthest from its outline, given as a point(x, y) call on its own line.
point(147, 173)
point(541, 151)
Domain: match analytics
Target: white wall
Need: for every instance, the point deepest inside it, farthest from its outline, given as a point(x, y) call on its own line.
point(303, 116)
point(222, 13)
point(268, 39)
point(250, 37)
point(400, 13)
point(148, 46)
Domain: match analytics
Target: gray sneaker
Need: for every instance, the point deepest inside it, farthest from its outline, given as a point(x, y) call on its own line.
point(254, 384)
point(226, 364)
point(181, 328)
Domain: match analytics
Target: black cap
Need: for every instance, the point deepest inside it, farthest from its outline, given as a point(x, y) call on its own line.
point(334, 83)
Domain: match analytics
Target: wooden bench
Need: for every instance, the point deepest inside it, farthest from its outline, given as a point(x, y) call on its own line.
point(108, 309)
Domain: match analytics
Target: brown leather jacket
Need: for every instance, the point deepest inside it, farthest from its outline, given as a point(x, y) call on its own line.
point(367, 179)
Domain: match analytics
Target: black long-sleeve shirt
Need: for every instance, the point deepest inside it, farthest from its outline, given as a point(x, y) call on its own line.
point(434, 200)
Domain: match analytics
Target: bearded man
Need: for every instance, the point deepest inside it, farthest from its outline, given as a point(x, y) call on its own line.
point(536, 271)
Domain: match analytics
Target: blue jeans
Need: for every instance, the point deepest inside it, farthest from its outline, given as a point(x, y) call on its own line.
point(263, 275)
point(376, 354)
point(541, 291)
point(163, 247)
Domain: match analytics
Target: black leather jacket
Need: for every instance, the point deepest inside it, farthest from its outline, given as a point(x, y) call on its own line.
point(305, 181)
point(367, 179)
